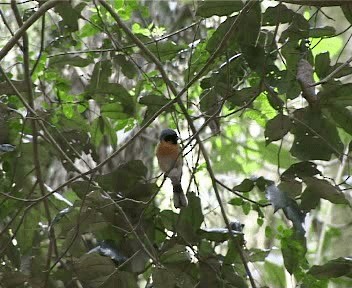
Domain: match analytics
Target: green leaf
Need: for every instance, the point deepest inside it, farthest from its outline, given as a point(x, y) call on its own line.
point(97, 131)
point(252, 22)
point(243, 96)
point(168, 219)
point(319, 32)
point(322, 64)
point(319, 188)
point(278, 14)
point(190, 219)
point(59, 62)
point(334, 268)
point(293, 251)
point(301, 170)
point(316, 138)
point(341, 115)
point(28, 231)
point(298, 29)
point(245, 186)
point(127, 66)
point(154, 103)
point(210, 8)
point(336, 93)
point(293, 188)
point(101, 73)
point(177, 254)
point(213, 43)
point(256, 255)
point(163, 278)
point(69, 16)
point(113, 111)
point(124, 177)
point(166, 50)
point(95, 271)
point(277, 128)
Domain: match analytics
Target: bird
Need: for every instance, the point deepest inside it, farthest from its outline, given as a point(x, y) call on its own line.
point(170, 161)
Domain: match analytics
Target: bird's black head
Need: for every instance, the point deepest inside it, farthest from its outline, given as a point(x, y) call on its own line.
point(169, 135)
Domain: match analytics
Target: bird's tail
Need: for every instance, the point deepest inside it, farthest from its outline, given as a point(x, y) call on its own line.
point(180, 199)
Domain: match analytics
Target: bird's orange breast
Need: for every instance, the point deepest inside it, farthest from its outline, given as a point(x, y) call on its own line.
point(168, 155)
point(167, 149)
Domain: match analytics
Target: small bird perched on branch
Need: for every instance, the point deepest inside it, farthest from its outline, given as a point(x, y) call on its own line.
point(170, 162)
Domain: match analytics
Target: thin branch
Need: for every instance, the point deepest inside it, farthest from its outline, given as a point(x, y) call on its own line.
point(36, 160)
point(41, 49)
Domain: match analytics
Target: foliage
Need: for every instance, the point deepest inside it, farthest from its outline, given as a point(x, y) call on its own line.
point(265, 110)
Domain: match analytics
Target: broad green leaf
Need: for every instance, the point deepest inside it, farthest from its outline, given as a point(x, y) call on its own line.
point(252, 22)
point(298, 29)
point(213, 43)
point(301, 170)
point(322, 64)
point(60, 62)
point(293, 251)
point(319, 32)
point(341, 115)
point(166, 50)
point(319, 188)
point(129, 179)
point(231, 276)
point(154, 103)
point(94, 269)
point(336, 93)
point(293, 188)
point(168, 219)
point(277, 14)
point(190, 219)
point(97, 131)
point(113, 111)
point(316, 138)
point(127, 66)
point(256, 255)
point(210, 8)
point(277, 128)
point(27, 234)
point(243, 96)
point(101, 73)
point(176, 254)
point(69, 16)
point(245, 186)
point(163, 278)
point(334, 268)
